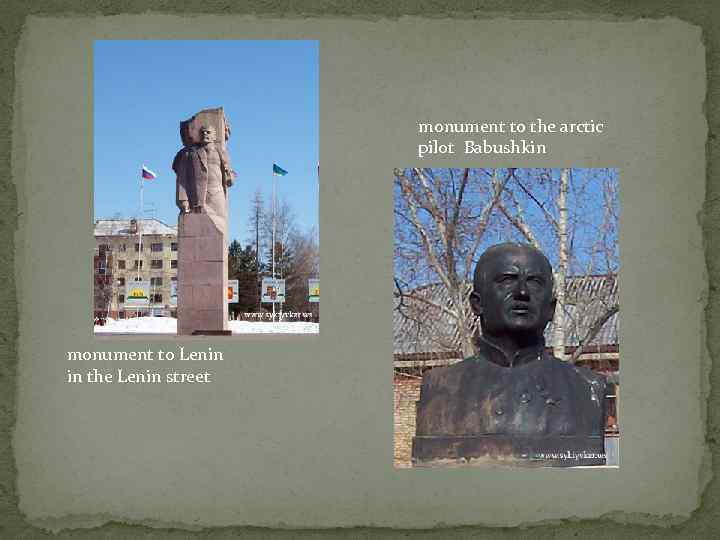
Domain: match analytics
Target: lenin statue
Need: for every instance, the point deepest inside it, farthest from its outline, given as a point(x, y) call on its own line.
point(204, 175)
point(513, 402)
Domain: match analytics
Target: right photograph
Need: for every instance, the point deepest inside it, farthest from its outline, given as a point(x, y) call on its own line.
point(506, 316)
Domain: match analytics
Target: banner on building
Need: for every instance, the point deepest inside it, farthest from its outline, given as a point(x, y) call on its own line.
point(273, 290)
point(173, 292)
point(313, 290)
point(232, 291)
point(137, 294)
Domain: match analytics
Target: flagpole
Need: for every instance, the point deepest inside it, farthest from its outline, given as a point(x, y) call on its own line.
point(281, 277)
point(273, 245)
point(139, 225)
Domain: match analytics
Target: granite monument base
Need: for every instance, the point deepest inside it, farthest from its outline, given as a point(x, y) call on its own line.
point(202, 277)
point(516, 450)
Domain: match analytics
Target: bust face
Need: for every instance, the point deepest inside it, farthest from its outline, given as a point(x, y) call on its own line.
point(207, 134)
point(515, 291)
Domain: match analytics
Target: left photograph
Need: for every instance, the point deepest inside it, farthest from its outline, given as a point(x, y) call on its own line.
point(206, 177)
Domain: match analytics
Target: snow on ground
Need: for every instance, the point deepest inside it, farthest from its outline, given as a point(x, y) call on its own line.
point(139, 325)
point(168, 325)
point(290, 327)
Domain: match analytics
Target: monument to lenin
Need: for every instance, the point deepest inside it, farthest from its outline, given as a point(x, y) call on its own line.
point(204, 174)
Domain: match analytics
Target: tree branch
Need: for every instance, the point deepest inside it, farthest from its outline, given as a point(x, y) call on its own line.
point(545, 211)
point(519, 222)
point(485, 214)
point(427, 244)
point(593, 331)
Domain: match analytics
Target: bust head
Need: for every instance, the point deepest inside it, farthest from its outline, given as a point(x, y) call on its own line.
point(207, 135)
point(513, 292)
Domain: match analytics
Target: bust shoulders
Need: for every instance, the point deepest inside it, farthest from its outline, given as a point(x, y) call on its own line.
point(476, 396)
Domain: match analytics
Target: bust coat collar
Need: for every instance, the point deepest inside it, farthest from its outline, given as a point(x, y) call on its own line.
point(492, 353)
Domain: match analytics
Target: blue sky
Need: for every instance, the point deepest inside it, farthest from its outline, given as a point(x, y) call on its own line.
point(593, 212)
point(143, 89)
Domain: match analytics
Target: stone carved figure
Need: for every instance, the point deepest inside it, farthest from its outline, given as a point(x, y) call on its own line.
point(203, 177)
point(512, 401)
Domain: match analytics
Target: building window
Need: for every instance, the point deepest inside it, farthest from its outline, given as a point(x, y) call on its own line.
point(156, 298)
point(173, 246)
point(121, 314)
point(121, 281)
point(611, 408)
point(103, 249)
point(156, 282)
point(156, 247)
point(121, 299)
point(140, 263)
point(156, 263)
point(137, 247)
point(121, 264)
point(122, 247)
point(173, 263)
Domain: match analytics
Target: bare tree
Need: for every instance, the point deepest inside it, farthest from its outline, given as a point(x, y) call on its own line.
point(304, 265)
point(284, 224)
point(255, 224)
point(443, 217)
point(592, 311)
point(305, 247)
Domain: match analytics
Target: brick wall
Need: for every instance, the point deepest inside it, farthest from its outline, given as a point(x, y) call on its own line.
point(406, 391)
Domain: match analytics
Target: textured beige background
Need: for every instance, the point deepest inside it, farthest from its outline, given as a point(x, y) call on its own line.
point(298, 431)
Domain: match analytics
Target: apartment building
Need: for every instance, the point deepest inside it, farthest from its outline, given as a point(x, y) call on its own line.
point(128, 250)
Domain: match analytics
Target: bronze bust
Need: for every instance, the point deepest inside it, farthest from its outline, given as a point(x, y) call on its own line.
point(511, 402)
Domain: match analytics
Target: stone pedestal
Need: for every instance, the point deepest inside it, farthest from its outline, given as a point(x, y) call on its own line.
point(202, 277)
point(516, 450)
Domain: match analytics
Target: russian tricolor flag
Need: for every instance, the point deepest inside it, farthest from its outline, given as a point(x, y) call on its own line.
point(147, 174)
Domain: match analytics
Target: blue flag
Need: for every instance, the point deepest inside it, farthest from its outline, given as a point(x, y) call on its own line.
point(278, 171)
